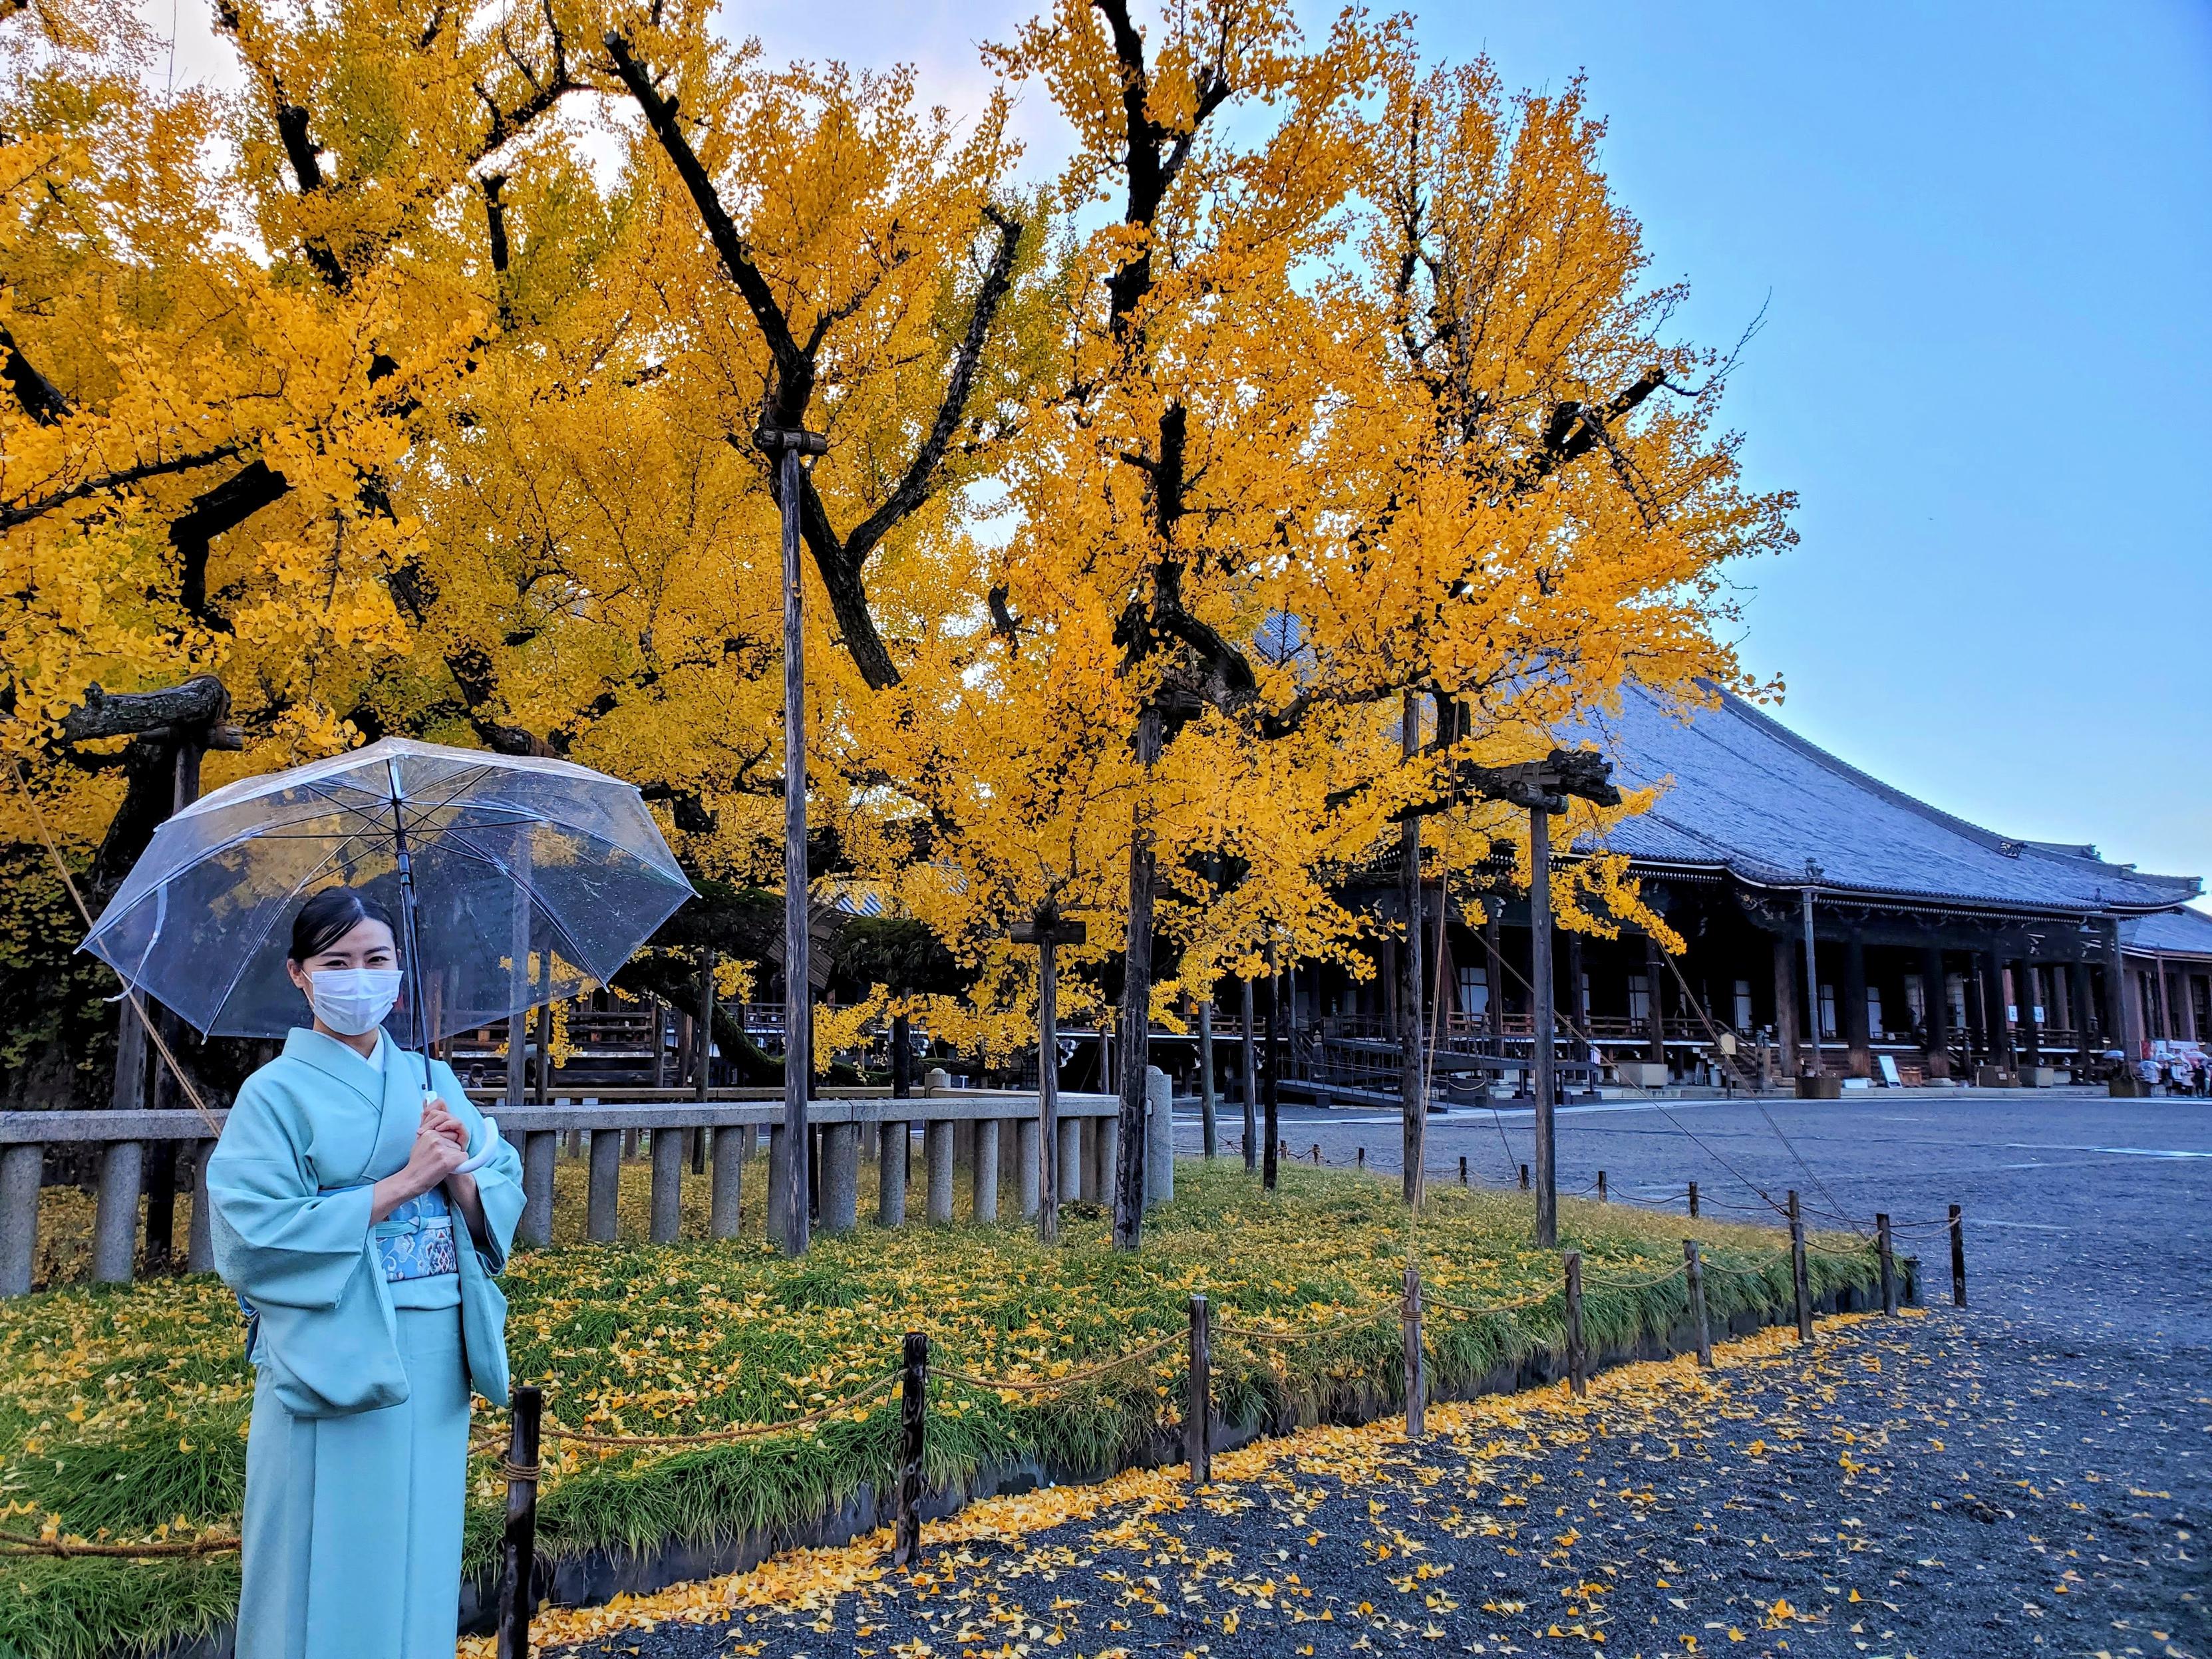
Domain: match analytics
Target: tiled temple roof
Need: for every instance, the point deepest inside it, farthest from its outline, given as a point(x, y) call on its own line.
point(2175, 934)
point(1744, 794)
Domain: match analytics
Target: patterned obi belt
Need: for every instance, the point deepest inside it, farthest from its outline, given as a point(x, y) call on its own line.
point(415, 1241)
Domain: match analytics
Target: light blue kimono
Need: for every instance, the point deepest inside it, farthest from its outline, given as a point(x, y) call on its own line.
point(357, 1458)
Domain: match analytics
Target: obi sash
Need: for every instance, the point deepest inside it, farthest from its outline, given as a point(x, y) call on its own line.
point(415, 1241)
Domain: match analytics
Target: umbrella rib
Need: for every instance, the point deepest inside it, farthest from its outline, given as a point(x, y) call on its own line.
point(470, 776)
point(261, 933)
point(207, 852)
point(468, 848)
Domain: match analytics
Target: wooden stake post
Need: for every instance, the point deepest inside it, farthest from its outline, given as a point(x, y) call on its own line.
point(519, 1552)
point(1958, 1258)
point(1800, 1279)
point(1198, 1396)
point(1694, 1200)
point(1416, 1379)
point(1577, 1360)
point(1883, 1244)
point(1048, 931)
point(914, 1412)
point(1695, 1270)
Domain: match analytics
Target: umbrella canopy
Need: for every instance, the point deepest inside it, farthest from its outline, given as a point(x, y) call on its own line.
point(532, 880)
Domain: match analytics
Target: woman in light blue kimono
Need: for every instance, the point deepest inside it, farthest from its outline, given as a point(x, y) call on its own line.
point(365, 1261)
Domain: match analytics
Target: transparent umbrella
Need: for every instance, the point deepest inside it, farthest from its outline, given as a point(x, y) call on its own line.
point(514, 881)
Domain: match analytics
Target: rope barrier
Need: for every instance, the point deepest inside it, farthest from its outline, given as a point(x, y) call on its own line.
point(1431, 1299)
point(16, 1544)
point(1047, 1385)
point(1312, 1333)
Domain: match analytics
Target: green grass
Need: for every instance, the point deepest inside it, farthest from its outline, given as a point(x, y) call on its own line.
point(123, 1408)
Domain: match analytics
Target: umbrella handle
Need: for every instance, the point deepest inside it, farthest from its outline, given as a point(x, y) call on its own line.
point(491, 1147)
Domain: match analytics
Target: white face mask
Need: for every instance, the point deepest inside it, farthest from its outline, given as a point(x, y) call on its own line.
point(353, 1001)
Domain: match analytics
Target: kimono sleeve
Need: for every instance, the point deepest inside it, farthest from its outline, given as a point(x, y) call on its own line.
point(278, 1242)
point(499, 1183)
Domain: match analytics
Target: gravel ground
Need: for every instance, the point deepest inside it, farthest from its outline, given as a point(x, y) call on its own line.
point(2027, 1476)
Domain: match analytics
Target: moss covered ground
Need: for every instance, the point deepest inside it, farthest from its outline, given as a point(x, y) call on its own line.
point(123, 1409)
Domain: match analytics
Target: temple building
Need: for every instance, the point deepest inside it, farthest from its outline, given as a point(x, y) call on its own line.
point(1835, 928)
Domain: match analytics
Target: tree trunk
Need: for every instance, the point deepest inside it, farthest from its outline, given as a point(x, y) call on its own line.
point(1412, 1096)
point(1048, 1090)
point(1251, 1087)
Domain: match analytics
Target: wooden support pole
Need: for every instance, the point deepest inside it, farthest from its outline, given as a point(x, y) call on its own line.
point(1601, 1188)
point(798, 940)
point(914, 1412)
point(1249, 1092)
point(1541, 992)
point(519, 1552)
point(1198, 1395)
point(703, 1062)
point(1524, 1178)
point(1577, 1361)
point(1271, 1103)
point(1048, 1141)
point(1801, 1280)
point(1958, 1258)
point(1416, 1379)
point(1412, 1075)
point(1463, 1168)
point(1694, 1200)
point(1883, 1244)
point(1208, 1111)
point(1695, 1270)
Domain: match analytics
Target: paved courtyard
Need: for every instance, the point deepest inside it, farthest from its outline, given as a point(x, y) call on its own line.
point(2031, 1476)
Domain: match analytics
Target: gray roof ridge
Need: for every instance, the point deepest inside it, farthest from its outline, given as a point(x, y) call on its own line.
point(1750, 713)
point(2007, 846)
point(1757, 719)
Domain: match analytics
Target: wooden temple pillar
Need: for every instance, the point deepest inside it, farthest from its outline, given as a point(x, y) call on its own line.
point(1653, 969)
point(1785, 1006)
point(1996, 1033)
point(2030, 1023)
point(1936, 1012)
point(2117, 1027)
point(1857, 1042)
point(1493, 972)
point(2081, 1010)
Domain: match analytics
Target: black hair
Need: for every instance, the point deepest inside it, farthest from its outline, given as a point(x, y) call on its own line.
point(329, 916)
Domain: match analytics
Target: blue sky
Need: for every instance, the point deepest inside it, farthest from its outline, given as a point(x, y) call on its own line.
point(1983, 234)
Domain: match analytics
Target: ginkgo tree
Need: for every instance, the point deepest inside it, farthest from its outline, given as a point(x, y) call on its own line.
point(1285, 409)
